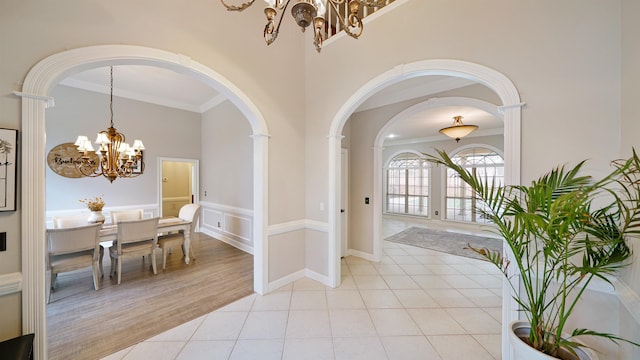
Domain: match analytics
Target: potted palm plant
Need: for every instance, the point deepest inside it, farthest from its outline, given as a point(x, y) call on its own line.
point(563, 231)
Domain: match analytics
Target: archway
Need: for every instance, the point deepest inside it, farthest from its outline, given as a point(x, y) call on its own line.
point(37, 85)
point(511, 113)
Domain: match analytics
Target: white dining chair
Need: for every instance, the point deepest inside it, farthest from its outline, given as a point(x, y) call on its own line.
point(135, 238)
point(189, 212)
point(122, 215)
point(72, 248)
point(68, 221)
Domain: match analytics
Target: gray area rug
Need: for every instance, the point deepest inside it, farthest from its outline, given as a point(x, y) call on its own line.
point(444, 241)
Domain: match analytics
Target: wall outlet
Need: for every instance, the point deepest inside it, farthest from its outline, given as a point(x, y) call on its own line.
point(3, 241)
point(366, 200)
point(218, 223)
point(436, 212)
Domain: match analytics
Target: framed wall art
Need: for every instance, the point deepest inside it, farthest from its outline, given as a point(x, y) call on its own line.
point(8, 168)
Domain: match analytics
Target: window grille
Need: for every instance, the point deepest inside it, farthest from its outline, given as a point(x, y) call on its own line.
point(408, 185)
point(461, 202)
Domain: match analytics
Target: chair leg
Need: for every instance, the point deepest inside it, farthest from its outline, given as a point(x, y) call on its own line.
point(113, 266)
point(48, 281)
point(119, 263)
point(153, 261)
point(101, 257)
point(96, 284)
point(191, 253)
point(164, 258)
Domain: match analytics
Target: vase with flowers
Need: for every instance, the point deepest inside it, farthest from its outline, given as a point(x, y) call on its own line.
point(95, 205)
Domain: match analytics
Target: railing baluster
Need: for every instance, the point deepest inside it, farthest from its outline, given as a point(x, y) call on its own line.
point(333, 23)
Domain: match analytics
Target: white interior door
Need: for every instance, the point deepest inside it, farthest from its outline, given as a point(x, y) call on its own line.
point(178, 185)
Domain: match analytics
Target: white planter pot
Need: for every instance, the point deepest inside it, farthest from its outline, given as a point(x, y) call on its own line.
point(522, 350)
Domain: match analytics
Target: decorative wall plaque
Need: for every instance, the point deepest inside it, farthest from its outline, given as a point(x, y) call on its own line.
point(62, 160)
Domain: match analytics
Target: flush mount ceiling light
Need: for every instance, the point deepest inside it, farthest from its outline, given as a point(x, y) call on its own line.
point(117, 158)
point(307, 12)
point(458, 130)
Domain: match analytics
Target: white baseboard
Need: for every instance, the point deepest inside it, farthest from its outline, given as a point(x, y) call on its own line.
point(222, 237)
point(286, 280)
point(361, 254)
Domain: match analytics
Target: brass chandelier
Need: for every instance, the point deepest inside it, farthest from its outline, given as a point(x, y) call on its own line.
point(458, 130)
point(307, 12)
point(116, 157)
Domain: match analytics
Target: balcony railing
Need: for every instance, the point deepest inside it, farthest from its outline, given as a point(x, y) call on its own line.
point(333, 26)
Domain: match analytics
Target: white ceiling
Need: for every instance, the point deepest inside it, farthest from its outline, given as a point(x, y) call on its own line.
point(168, 88)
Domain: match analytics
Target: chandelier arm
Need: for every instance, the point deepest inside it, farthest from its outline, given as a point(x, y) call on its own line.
point(237, 7)
point(353, 20)
point(86, 166)
point(270, 35)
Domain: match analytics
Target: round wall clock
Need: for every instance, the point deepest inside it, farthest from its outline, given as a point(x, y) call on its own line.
point(62, 160)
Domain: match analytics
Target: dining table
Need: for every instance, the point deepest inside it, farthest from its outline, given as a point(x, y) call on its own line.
point(109, 232)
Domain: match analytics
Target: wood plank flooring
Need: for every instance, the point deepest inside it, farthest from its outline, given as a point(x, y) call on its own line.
point(86, 324)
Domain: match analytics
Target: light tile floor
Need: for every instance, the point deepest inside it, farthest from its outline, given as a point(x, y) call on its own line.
point(414, 304)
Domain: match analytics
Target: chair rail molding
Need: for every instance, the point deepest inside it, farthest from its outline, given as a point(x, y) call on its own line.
point(10, 283)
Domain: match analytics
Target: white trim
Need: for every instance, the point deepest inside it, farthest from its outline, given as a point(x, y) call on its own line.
point(300, 274)
point(10, 283)
point(227, 208)
point(37, 85)
point(227, 239)
point(50, 100)
point(510, 104)
point(297, 225)
point(286, 280)
point(363, 255)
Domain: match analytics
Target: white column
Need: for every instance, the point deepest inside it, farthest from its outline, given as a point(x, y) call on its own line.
point(260, 213)
point(34, 315)
point(335, 190)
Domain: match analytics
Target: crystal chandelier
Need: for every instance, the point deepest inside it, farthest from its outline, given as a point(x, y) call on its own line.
point(117, 158)
point(307, 12)
point(458, 130)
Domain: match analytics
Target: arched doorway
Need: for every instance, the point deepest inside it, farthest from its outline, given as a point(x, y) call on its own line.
point(37, 86)
point(510, 109)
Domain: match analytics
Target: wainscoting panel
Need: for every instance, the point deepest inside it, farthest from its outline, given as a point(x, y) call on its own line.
point(229, 224)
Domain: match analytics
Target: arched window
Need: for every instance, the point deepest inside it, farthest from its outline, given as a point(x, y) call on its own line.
point(460, 200)
point(408, 185)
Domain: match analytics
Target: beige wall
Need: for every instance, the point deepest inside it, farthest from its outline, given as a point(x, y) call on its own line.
point(32, 30)
point(565, 58)
point(630, 138)
point(227, 153)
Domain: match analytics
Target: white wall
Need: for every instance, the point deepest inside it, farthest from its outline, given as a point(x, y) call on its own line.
point(166, 132)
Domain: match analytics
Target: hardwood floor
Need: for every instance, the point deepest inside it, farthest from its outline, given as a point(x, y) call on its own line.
point(86, 324)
